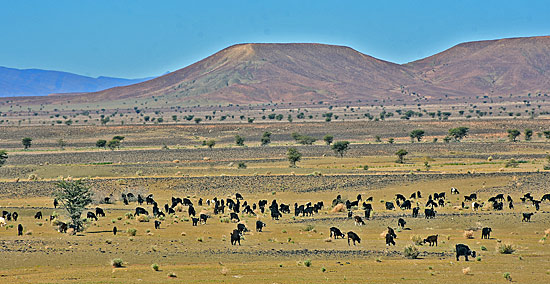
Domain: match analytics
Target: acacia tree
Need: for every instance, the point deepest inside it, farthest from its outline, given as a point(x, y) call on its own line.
point(61, 143)
point(293, 156)
point(340, 147)
point(3, 157)
point(113, 144)
point(74, 196)
point(101, 143)
point(328, 139)
point(210, 143)
point(239, 140)
point(513, 134)
point(459, 133)
point(401, 155)
point(266, 138)
point(528, 134)
point(27, 142)
point(417, 134)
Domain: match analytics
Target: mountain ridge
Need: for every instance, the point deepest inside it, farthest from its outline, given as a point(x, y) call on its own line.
point(256, 73)
point(40, 82)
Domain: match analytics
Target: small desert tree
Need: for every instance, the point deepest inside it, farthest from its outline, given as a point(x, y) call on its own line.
point(239, 140)
point(61, 143)
point(340, 147)
point(401, 155)
point(546, 134)
point(74, 196)
point(459, 133)
point(101, 143)
point(513, 134)
point(210, 143)
point(528, 134)
point(3, 157)
point(417, 134)
point(27, 142)
point(328, 139)
point(266, 138)
point(113, 144)
point(293, 156)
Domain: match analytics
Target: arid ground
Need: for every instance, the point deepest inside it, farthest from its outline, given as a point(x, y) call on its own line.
point(170, 161)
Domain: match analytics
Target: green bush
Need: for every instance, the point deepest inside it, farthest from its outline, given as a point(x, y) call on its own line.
point(411, 252)
point(307, 262)
point(506, 248)
point(155, 267)
point(131, 231)
point(309, 228)
point(117, 262)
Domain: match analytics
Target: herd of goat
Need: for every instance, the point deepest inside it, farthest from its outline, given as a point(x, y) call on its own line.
point(239, 205)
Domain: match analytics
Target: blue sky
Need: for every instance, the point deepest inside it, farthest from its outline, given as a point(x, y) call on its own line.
point(145, 38)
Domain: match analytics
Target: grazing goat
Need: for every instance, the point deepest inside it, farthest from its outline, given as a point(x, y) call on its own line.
point(259, 226)
point(464, 250)
point(527, 217)
point(235, 237)
point(389, 240)
point(432, 240)
point(335, 232)
point(486, 233)
point(354, 237)
point(359, 221)
point(401, 223)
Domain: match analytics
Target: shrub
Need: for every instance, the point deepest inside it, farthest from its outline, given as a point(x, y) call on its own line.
point(155, 267)
point(129, 215)
point(143, 218)
point(411, 251)
point(469, 234)
point(506, 248)
point(323, 269)
point(417, 240)
point(242, 165)
point(172, 275)
point(366, 167)
point(483, 248)
point(507, 276)
point(466, 270)
point(309, 228)
point(307, 262)
point(131, 231)
point(117, 262)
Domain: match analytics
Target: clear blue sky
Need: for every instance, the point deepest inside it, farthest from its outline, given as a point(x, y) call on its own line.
point(145, 38)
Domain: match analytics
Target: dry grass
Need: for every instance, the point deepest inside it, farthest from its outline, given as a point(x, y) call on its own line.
point(468, 234)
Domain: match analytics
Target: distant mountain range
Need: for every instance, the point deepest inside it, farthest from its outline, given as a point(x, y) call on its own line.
point(304, 72)
point(36, 82)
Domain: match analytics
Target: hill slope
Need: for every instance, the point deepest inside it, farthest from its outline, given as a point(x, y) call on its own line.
point(503, 67)
point(36, 82)
point(257, 73)
point(261, 73)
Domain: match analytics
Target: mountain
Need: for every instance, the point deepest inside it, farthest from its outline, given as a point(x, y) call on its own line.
point(305, 72)
point(503, 67)
point(36, 82)
point(257, 73)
